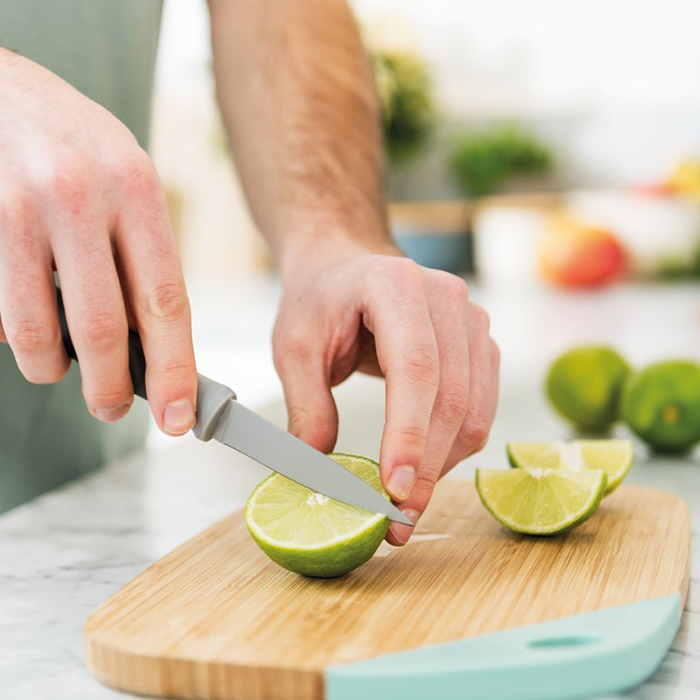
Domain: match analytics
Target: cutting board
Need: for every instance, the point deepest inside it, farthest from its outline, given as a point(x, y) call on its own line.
point(468, 609)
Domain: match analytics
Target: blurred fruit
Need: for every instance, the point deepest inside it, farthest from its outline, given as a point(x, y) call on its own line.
point(685, 179)
point(585, 384)
point(575, 255)
point(661, 404)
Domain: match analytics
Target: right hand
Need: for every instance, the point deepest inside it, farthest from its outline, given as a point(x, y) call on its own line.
point(78, 194)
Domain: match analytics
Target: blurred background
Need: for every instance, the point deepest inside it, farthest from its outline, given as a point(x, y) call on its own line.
point(549, 151)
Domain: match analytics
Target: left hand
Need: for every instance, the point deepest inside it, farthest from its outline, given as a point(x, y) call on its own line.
point(385, 315)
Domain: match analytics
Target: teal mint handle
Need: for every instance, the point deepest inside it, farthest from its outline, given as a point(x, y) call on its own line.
point(572, 658)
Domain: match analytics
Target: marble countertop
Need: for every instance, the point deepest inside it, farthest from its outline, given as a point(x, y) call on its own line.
point(64, 553)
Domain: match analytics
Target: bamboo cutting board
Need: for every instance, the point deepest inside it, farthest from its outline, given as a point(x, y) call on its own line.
point(216, 619)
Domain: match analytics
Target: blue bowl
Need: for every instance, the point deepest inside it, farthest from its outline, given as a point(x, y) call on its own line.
point(451, 252)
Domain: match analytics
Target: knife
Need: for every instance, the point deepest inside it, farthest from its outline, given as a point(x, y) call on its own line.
point(220, 417)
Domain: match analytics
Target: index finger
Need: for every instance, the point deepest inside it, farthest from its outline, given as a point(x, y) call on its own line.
point(156, 292)
point(399, 319)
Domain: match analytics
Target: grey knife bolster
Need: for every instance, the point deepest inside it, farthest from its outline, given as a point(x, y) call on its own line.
point(212, 398)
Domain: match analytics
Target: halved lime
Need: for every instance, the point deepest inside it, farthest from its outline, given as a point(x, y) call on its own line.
point(311, 534)
point(614, 457)
point(541, 501)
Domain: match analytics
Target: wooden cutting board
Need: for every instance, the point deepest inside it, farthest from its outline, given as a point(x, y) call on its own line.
point(217, 619)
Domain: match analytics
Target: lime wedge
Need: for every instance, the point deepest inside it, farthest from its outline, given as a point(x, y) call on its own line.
point(614, 457)
point(311, 534)
point(541, 501)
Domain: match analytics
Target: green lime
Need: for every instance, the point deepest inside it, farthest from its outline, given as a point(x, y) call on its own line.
point(541, 501)
point(661, 404)
point(311, 534)
point(585, 385)
point(614, 457)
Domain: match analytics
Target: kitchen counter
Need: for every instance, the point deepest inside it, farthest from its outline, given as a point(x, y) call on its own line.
point(63, 554)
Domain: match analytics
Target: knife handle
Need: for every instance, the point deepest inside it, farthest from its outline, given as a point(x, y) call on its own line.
point(212, 397)
point(137, 360)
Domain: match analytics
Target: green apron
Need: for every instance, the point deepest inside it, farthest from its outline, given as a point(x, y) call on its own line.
point(107, 50)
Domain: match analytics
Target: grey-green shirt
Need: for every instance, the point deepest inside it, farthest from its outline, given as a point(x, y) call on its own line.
point(107, 50)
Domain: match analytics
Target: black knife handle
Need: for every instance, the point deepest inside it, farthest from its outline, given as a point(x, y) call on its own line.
point(137, 360)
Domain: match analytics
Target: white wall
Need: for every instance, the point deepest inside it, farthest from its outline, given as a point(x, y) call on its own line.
point(549, 56)
point(613, 84)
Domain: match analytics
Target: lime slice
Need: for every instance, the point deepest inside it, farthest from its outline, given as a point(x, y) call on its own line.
point(311, 534)
point(614, 457)
point(541, 501)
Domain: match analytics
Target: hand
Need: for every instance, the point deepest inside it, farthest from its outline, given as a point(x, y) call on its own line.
point(386, 315)
point(78, 195)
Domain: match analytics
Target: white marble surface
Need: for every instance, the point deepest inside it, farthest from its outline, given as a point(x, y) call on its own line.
point(66, 552)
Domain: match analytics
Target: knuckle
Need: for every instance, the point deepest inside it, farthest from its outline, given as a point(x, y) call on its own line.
point(291, 345)
point(135, 172)
point(30, 337)
point(43, 373)
point(180, 368)
point(479, 321)
point(452, 403)
point(405, 272)
point(108, 396)
point(68, 179)
point(495, 354)
point(103, 330)
point(411, 437)
point(475, 432)
point(15, 207)
point(425, 484)
point(422, 491)
point(297, 416)
point(455, 288)
point(421, 366)
point(167, 301)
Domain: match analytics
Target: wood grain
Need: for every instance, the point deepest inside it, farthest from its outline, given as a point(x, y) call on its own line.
point(216, 619)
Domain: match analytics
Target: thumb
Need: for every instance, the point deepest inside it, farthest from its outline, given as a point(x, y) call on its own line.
point(312, 415)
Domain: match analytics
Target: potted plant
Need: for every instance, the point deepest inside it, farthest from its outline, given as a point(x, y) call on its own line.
point(434, 233)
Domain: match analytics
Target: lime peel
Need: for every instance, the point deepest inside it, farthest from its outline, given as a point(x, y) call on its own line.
point(311, 534)
point(541, 501)
point(614, 457)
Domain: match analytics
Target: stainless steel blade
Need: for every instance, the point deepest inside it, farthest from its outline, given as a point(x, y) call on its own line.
point(276, 449)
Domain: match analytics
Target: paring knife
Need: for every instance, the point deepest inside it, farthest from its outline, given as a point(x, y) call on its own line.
point(221, 417)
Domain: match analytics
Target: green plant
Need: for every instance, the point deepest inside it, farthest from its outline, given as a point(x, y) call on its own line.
point(484, 160)
point(406, 102)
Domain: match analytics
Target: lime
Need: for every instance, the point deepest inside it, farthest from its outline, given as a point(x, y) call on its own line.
point(614, 457)
point(541, 501)
point(311, 534)
point(661, 404)
point(585, 384)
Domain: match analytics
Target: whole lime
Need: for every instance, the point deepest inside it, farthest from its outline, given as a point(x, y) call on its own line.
point(585, 385)
point(661, 404)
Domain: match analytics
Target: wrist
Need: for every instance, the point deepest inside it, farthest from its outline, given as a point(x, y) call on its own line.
point(307, 254)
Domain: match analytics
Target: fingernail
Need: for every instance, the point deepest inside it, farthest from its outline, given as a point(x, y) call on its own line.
point(178, 417)
point(402, 533)
point(401, 482)
point(109, 415)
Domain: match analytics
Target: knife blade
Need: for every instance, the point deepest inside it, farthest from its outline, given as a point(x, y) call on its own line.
point(245, 431)
point(222, 418)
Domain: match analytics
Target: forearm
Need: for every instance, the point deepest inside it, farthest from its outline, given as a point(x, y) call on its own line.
point(299, 105)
